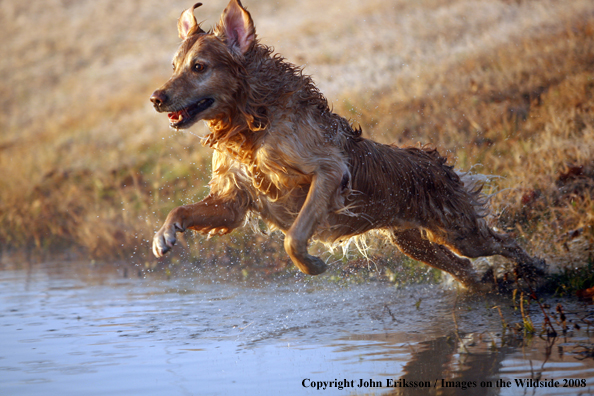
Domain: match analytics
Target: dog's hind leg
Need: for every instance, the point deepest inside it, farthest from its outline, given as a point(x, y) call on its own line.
point(486, 242)
point(412, 243)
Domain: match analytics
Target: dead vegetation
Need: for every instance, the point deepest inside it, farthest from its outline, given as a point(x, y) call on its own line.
point(87, 165)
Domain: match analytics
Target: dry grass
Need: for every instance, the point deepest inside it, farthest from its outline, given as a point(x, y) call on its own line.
point(87, 164)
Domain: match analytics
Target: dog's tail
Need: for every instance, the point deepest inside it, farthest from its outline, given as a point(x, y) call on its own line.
point(474, 184)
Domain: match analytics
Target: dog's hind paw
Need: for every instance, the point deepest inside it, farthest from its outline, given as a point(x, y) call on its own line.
point(532, 270)
point(483, 285)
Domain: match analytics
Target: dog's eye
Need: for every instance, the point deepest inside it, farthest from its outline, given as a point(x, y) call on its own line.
point(199, 67)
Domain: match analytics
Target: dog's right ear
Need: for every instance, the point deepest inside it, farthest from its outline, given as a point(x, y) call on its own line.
point(236, 28)
point(186, 24)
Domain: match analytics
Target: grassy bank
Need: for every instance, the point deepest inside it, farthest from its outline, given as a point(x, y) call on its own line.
point(87, 164)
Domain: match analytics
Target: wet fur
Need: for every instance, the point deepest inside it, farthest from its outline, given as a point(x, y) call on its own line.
point(280, 152)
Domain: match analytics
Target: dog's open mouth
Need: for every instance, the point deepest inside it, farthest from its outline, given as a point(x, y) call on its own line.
point(185, 116)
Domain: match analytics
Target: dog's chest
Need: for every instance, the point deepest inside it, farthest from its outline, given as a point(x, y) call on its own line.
point(271, 173)
point(280, 196)
point(262, 181)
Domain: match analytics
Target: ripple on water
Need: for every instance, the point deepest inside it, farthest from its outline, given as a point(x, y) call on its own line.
point(62, 330)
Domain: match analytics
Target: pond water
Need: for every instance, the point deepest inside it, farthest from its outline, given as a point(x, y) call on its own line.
point(76, 328)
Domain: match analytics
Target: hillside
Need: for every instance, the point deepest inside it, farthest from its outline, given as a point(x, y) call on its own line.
point(87, 165)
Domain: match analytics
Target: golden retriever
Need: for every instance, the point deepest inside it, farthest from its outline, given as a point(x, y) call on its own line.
point(280, 152)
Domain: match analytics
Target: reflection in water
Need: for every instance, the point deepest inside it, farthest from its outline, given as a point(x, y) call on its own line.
point(487, 365)
point(436, 359)
point(67, 329)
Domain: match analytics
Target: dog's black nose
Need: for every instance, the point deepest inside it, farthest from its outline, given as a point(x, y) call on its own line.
point(158, 98)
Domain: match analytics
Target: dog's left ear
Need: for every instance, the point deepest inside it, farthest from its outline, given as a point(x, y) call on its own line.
point(236, 28)
point(186, 24)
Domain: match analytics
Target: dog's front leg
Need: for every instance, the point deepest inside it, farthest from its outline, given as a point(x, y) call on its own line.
point(316, 206)
point(210, 214)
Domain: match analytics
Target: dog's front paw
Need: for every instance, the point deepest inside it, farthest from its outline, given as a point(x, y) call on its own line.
point(312, 265)
point(165, 238)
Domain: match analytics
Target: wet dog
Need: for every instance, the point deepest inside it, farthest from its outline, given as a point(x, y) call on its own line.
point(280, 152)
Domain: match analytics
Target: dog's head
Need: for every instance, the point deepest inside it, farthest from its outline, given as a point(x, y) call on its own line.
point(206, 67)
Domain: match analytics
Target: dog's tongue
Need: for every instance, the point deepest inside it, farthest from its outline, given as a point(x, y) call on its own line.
point(176, 116)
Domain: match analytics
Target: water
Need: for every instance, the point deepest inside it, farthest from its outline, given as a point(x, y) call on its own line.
point(72, 328)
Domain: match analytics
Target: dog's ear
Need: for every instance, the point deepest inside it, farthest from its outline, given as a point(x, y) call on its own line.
point(186, 24)
point(236, 28)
